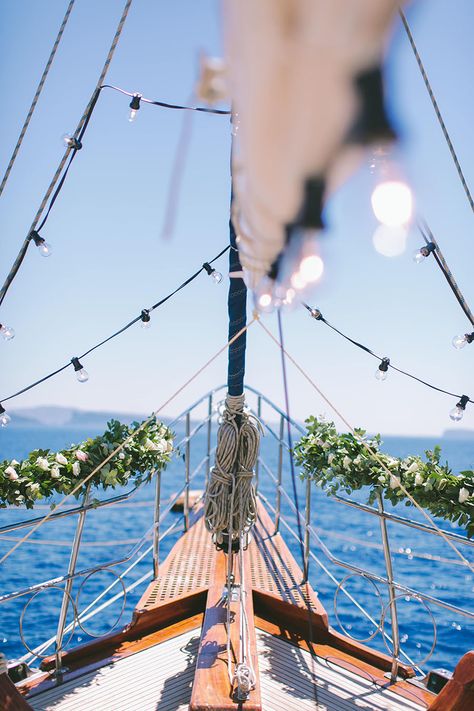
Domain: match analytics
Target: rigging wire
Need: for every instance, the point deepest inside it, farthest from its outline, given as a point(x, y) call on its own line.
point(145, 313)
point(370, 450)
point(436, 108)
point(306, 597)
point(69, 149)
point(36, 96)
point(317, 315)
point(124, 443)
point(165, 105)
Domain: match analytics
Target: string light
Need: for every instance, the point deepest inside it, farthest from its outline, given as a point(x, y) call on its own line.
point(392, 203)
point(71, 141)
point(215, 275)
point(460, 341)
point(420, 254)
point(134, 107)
point(81, 374)
point(457, 412)
point(382, 371)
point(145, 318)
point(7, 332)
point(4, 418)
point(44, 247)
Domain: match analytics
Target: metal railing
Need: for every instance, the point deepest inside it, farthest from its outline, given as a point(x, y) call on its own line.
point(151, 539)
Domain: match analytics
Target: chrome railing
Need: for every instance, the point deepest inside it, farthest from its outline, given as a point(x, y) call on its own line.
point(310, 541)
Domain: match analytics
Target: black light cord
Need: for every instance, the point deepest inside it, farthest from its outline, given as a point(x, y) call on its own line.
point(316, 314)
point(117, 333)
point(163, 104)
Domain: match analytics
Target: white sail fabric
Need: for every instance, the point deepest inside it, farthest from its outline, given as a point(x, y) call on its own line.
point(291, 65)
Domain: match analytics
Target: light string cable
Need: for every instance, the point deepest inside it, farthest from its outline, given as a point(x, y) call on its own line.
point(436, 108)
point(126, 441)
point(144, 317)
point(318, 316)
point(295, 498)
point(36, 96)
point(371, 451)
point(165, 105)
point(71, 149)
point(433, 247)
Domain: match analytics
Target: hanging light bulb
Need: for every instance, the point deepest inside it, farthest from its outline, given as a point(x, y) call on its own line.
point(216, 276)
point(7, 332)
point(457, 412)
point(460, 341)
point(420, 254)
point(4, 418)
point(134, 106)
point(392, 203)
point(71, 141)
point(145, 317)
point(81, 374)
point(44, 248)
point(389, 241)
point(382, 370)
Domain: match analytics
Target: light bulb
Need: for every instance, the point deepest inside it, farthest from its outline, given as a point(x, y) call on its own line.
point(134, 106)
point(146, 320)
point(389, 241)
point(45, 249)
point(4, 418)
point(71, 141)
point(7, 332)
point(264, 295)
point(419, 255)
point(217, 276)
point(382, 371)
point(392, 203)
point(311, 268)
point(297, 281)
point(456, 413)
point(460, 341)
point(81, 374)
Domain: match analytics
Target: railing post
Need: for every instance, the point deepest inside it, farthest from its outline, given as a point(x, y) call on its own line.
point(391, 590)
point(186, 474)
point(209, 433)
point(257, 463)
point(68, 587)
point(279, 474)
point(156, 529)
point(307, 532)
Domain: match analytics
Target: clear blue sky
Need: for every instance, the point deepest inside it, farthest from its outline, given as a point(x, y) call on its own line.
point(109, 261)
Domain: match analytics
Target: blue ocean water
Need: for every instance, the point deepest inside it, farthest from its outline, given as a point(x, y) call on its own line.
point(421, 561)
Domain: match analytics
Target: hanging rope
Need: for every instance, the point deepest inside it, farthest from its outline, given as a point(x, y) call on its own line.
point(71, 150)
point(36, 96)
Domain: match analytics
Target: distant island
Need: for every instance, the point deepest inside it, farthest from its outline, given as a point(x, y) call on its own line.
point(458, 434)
point(56, 416)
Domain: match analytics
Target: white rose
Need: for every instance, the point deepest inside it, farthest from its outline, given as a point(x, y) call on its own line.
point(55, 473)
point(463, 495)
point(162, 445)
point(394, 482)
point(169, 446)
point(11, 474)
point(346, 462)
point(60, 458)
point(392, 462)
point(150, 446)
point(14, 463)
point(76, 469)
point(418, 479)
point(382, 478)
point(42, 463)
point(121, 455)
point(34, 487)
point(412, 468)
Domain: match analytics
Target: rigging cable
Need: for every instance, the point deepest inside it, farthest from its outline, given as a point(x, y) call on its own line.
point(317, 315)
point(144, 313)
point(436, 108)
point(306, 596)
point(371, 451)
point(36, 96)
point(70, 149)
point(119, 448)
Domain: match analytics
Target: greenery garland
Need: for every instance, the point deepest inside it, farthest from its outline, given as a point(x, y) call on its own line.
point(341, 462)
point(44, 473)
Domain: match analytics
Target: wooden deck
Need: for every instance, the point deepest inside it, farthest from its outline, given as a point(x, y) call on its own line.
point(181, 610)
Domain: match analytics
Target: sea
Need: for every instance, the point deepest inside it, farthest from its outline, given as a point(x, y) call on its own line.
point(432, 634)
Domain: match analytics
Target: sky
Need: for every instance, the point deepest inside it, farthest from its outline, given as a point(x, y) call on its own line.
point(110, 261)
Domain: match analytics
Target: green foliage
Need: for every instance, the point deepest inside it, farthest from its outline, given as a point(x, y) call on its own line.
point(44, 473)
point(341, 463)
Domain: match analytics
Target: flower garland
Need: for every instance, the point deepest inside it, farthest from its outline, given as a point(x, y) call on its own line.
point(340, 461)
point(44, 473)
